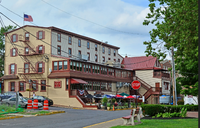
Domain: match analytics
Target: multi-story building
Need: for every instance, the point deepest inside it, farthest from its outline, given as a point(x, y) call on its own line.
point(153, 78)
point(60, 65)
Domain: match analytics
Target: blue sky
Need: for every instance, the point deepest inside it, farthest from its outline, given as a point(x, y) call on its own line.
point(124, 16)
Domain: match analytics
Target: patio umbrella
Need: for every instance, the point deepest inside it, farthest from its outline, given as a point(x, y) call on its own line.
point(98, 96)
point(89, 96)
point(123, 94)
point(119, 96)
point(130, 97)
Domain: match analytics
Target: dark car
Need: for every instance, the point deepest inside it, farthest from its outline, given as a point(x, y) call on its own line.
point(41, 99)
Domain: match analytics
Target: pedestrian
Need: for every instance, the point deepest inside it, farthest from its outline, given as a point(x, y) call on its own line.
point(34, 94)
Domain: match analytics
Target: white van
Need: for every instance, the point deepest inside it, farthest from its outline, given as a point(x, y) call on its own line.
point(190, 99)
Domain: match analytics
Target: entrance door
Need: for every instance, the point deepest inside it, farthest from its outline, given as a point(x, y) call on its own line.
point(157, 87)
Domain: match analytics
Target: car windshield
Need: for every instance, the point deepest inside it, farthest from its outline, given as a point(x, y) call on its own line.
point(45, 97)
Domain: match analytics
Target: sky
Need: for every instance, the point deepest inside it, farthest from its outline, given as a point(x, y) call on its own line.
point(119, 22)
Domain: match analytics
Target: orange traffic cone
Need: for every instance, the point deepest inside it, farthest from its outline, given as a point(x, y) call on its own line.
point(113, 108)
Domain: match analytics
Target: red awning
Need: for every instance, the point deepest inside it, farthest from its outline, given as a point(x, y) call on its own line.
point(78, 81)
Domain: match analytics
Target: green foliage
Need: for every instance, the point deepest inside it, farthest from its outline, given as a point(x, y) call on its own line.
point(176, 24)
point(2, 45)
point(108, 104)
point(153, 109)
point(180, 102)
point(159, 115)
point(126, 104)
point(113, 100)
point(183, 112)
point(105, 100)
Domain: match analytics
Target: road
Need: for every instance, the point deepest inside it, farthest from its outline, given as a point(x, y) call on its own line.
point(72, 118)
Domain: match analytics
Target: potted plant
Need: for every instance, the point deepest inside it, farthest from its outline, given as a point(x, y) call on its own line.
point(108, 106)
point(105, 100)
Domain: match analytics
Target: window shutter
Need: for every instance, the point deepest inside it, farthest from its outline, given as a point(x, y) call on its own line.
point(43, 66)
point(37, 49)
point(8, 86)
point(36, 67)
point(16, 38)
point(37, 34)
point(15, 69)
point(9, 69)
point(16, 86)
point(43, 34)
point(36, 85)
point(16, 53)
point(12, 38)
point(11, 52)
point(43, 49)
point(24, 86)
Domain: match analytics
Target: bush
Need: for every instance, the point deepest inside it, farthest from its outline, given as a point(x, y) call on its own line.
point(180, 102)
point(153, 109)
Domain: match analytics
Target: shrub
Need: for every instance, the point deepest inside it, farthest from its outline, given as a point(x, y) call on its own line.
point(180, 102)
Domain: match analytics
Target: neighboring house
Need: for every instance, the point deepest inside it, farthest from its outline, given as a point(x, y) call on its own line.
point(154, 80)
point(61, 65)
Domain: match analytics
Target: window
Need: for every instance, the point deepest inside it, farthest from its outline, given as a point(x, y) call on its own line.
point(40, 49)
point(118, 60)
point(96, 59)
point(109, 51)
point(166, 84)
point(59, 50)
point(60, 65)
point(27, 36)
point(103, 59)
point(59, 37)
point(12, 86)
point(40, 35)
point(39, 67)
point(108, 58)
point(34, 85)
point(43, 82)
point(70, 52)
point(79, 42)
point(65, 65)
point(88, 45)
point(95, 47)
point(103, 49)
point(79, 52)
point(13, 52)
point(21, 86)
point(55, 65)
point(70, 40)
point(26, 68)
point(26, 50)
point(115, 60)
point(88, 54)
point(14, 38)
point(114, 52)
point(12, 69)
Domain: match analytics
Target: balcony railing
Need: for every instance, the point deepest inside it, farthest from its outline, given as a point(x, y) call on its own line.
point(29, 70)
point(161, 74)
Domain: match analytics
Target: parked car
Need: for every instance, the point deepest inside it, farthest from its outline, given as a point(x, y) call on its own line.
point(41, 99)
point(23, 102)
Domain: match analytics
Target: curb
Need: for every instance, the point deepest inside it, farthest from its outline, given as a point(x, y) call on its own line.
point(55, 112)
point(11, 117)
point(121, 109)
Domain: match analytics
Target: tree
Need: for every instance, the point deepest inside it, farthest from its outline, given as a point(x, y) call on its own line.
point(2, 46)
point(176, 24)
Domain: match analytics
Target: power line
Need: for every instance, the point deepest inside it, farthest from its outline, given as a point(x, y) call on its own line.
point(89, 20)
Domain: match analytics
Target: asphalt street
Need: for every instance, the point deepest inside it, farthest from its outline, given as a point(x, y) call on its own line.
point(72, 118)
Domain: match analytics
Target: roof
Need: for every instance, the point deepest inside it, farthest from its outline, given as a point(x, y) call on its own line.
point(140, 63)
point(69, 33)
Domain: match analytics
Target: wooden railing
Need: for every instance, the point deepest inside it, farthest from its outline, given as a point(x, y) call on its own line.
point(151, 90)
point(167, 75)
point(143, 83)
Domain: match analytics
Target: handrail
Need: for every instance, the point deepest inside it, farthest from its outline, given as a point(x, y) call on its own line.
point(144, 83)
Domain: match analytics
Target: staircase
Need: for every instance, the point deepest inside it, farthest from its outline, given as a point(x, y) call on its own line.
point(150, 90)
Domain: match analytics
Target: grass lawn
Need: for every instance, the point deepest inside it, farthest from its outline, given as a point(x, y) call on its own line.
point(158, 123)
point(33, 113)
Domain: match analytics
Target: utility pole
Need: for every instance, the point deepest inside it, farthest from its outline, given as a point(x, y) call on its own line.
point(174, 79)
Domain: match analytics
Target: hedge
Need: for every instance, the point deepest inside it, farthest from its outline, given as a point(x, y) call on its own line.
point(153, 109)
